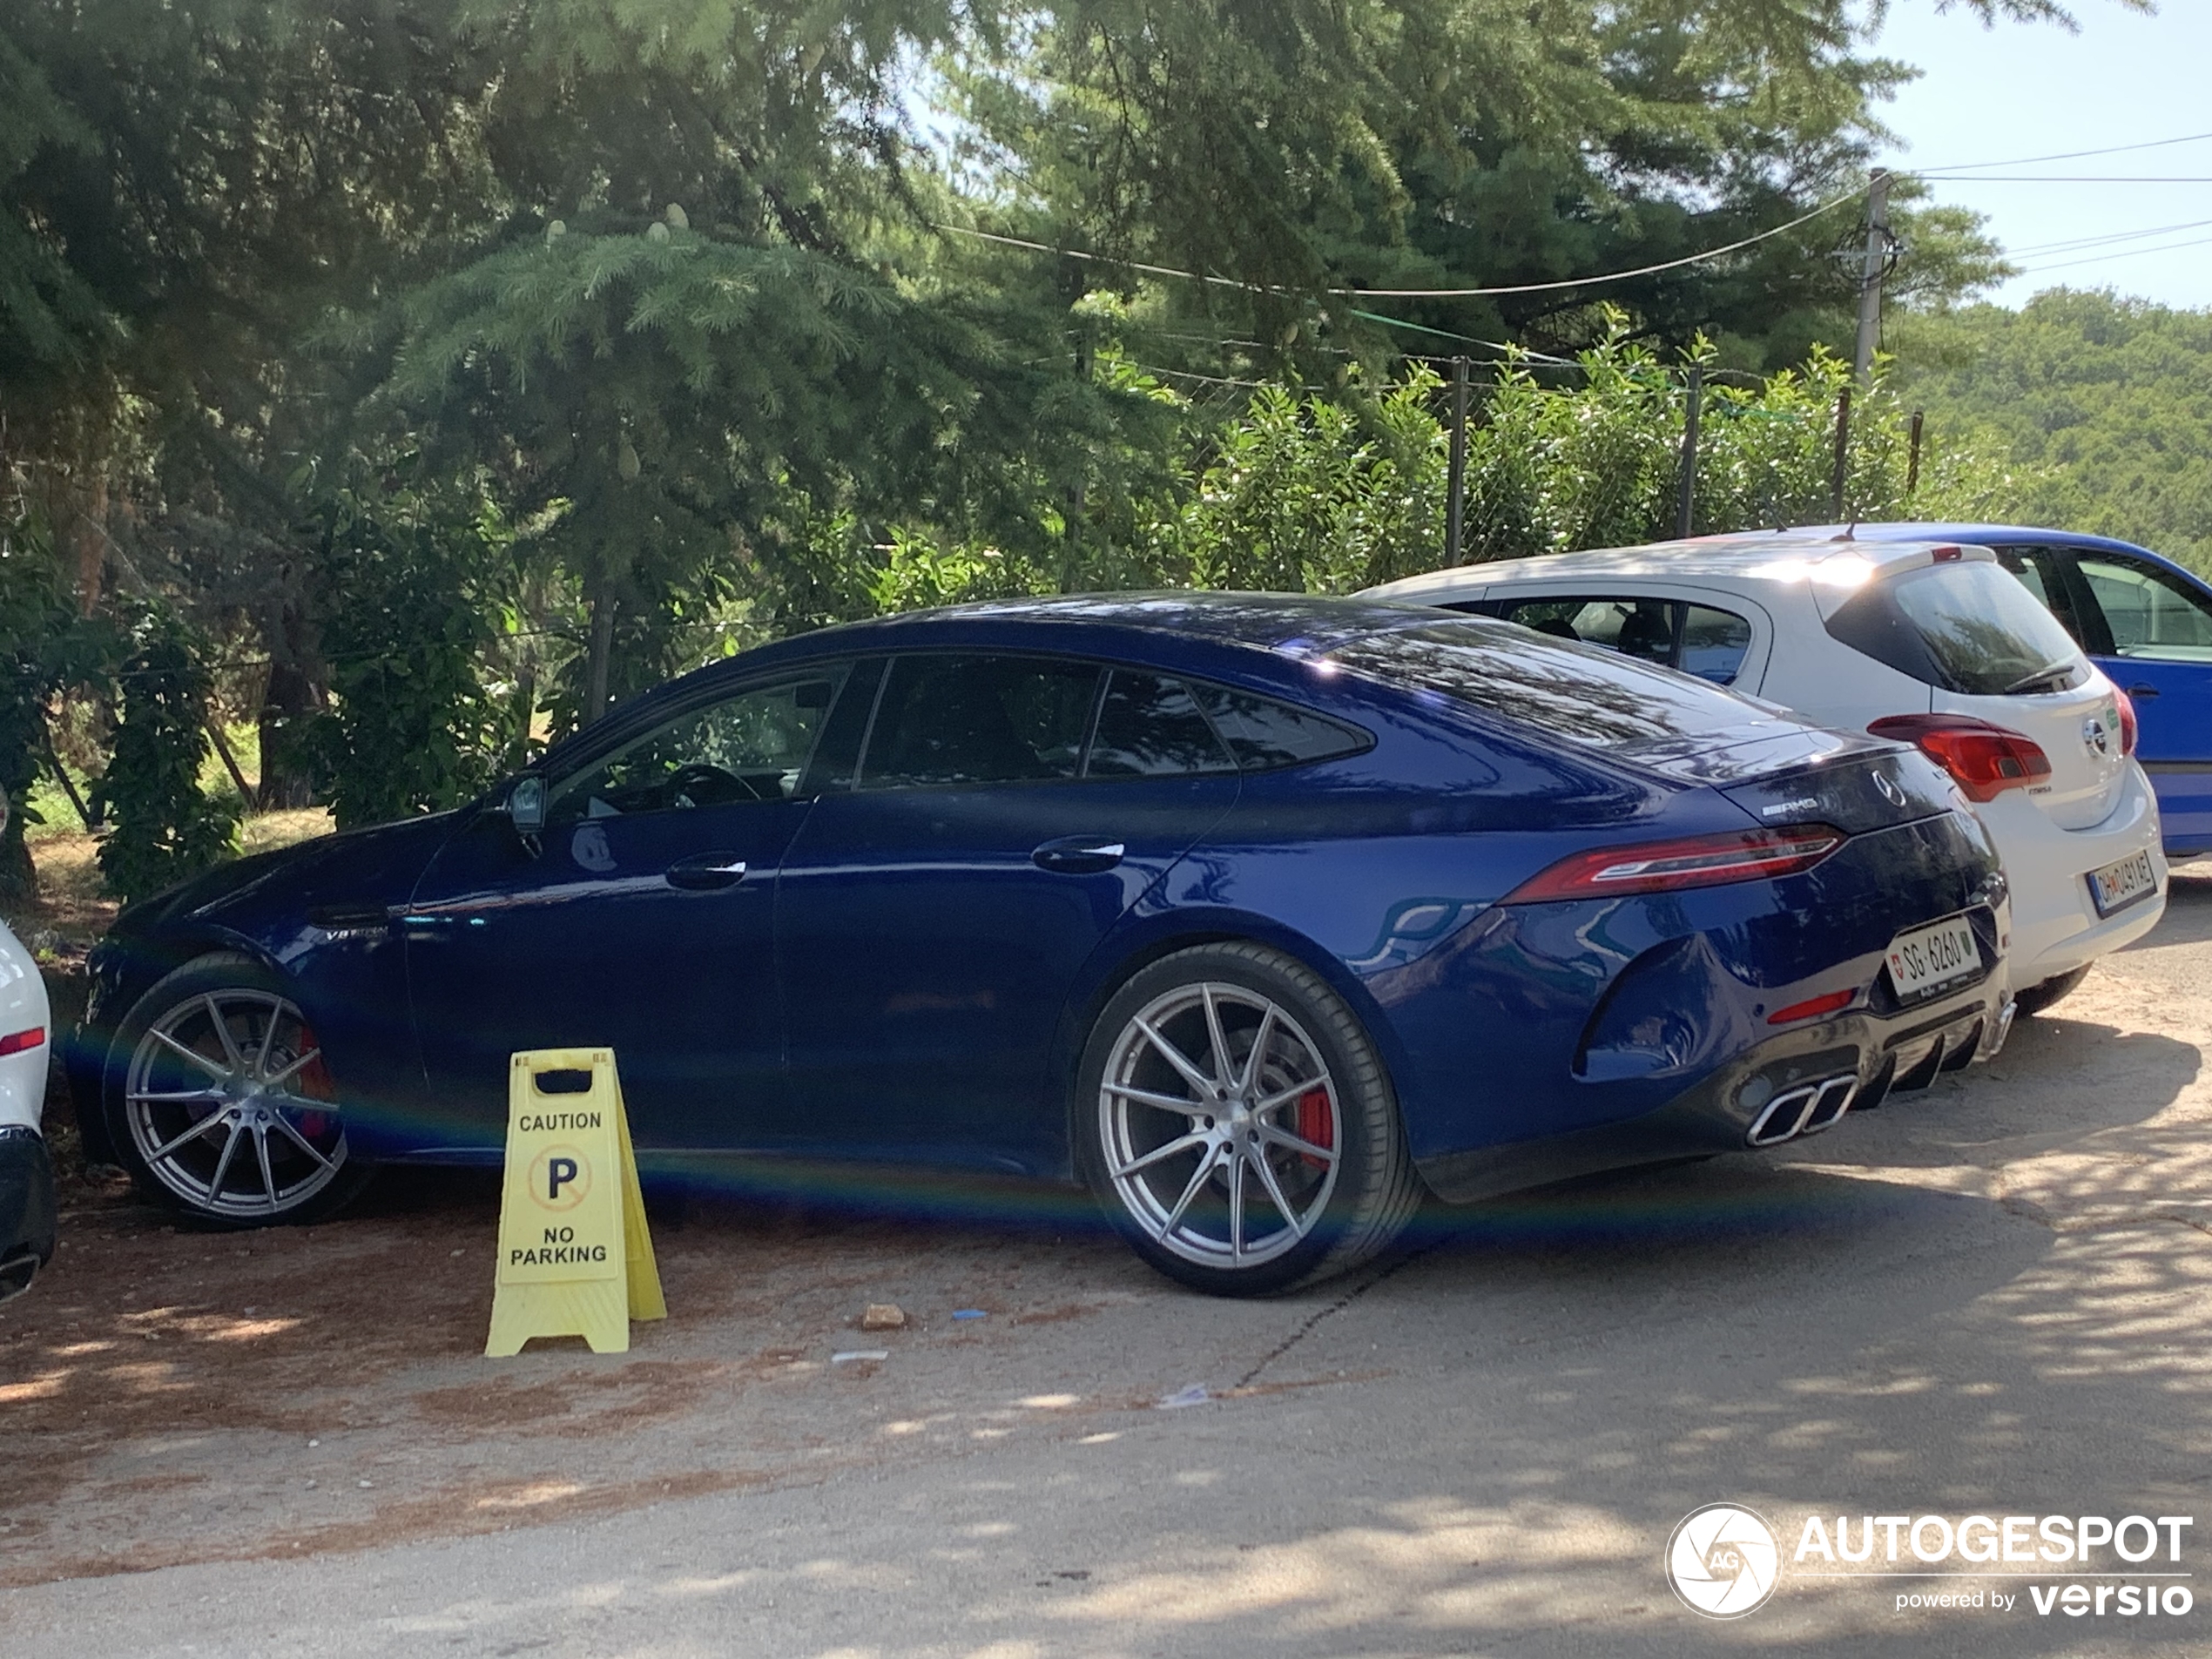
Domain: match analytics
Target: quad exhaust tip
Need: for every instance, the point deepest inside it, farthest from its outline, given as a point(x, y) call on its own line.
point(1806, 1110)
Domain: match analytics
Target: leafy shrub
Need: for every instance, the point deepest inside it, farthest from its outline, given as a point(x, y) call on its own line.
point(404, 620)
point(166, 829)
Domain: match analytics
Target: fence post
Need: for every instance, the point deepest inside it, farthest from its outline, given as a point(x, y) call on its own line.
point(1686, 500)
point(1842, 454)
point(1456, 482)
point(1912, 462)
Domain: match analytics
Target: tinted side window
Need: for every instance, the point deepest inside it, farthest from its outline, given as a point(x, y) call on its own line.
point(750, 746)
point(2040, 572)
point(2150, 614)
point(1695, 638)
point(1643, 629)
point(962, 720)
point(1149, 726)
point(1713, 643)
point(1262, 733)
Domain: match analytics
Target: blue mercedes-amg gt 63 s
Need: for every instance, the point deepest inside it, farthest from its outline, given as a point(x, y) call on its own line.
point(1259, 916)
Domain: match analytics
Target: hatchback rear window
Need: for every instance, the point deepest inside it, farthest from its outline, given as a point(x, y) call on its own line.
point(1585, 695)
point(1973, 628)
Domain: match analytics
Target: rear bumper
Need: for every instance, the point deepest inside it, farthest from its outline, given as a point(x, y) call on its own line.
point(2055, 925)
point(26, 1208)
point(1800, 1082)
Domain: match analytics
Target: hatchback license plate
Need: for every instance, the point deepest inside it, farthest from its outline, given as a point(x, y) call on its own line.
point(2119, 885)
point(1925, 960)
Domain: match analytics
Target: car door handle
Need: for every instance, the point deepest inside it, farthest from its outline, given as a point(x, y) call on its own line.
point(1078, 855)
point(704, 871)
point(2139, 692)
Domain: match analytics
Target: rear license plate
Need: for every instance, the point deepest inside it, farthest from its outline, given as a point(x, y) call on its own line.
point(1926, 959)
point(2129, 881)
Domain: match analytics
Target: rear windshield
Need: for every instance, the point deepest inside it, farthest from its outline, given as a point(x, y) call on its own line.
point(1581, 694)
point(1971, 628)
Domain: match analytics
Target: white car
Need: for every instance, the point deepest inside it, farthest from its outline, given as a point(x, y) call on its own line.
point(26, 1171)
point(1926, 642)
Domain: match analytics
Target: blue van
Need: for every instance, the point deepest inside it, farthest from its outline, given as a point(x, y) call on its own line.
point(2147, 623)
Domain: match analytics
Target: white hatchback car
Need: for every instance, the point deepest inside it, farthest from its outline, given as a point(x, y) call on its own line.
point(26, 1171)
point(1926, 642)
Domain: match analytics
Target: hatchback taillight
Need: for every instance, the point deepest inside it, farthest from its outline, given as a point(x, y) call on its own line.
point(1986, 760)
point(2126, 720)
point(1691, 861)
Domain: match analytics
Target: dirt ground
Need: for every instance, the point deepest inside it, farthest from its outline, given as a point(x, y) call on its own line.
point(171, 1396)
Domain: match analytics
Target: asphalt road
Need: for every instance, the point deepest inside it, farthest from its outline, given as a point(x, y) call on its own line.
point(1987, 1299)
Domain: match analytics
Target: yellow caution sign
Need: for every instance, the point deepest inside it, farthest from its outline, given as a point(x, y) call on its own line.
point(575, 1257)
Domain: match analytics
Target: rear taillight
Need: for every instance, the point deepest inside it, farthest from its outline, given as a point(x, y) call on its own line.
point(1985, 760)
point(18, 1042)
point(1692, 861)
point(2126, 720)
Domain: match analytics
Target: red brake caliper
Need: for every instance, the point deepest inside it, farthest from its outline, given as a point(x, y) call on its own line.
point(1314, 1125)
point(315, 1083)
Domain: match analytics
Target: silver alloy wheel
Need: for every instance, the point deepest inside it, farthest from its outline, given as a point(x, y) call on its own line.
point(1191, 1115)
point(226, 1103)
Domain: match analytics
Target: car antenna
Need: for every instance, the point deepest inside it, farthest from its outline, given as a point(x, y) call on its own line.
point(1851, 532)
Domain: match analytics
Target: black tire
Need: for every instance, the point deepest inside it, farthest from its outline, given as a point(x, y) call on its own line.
point(1342, 1209)
point(2036, 998)
point(278, 1096)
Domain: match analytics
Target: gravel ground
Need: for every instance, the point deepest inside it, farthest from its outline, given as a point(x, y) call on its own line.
point(1987, 1298)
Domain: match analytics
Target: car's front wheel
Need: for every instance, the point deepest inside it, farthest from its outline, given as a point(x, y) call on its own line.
point(1237, 1125)
point(221, 1102)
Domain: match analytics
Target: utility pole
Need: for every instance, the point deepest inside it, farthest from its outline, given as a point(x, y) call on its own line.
point(1686, 480)
point(1455, 485)
point(1869, 290)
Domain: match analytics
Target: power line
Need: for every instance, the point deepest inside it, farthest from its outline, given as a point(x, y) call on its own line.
point(2081, 242)
point(1610, 276)
point(1424, 293)
point(2069, 155)
point(2079, 178)
point(2125, 253)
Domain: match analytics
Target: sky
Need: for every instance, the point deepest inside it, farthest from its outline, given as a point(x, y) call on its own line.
point(2022, 90)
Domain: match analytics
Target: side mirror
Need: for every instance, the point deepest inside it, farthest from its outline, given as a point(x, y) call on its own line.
point(526, 805)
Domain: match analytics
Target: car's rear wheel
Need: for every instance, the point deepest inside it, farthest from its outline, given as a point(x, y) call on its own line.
point(2036, 998)
point(221, 1102)
point(1237, 1125)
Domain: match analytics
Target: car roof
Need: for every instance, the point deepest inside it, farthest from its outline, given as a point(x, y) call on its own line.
point(1303, 624)
point(1791, 557)
point(1905, 530)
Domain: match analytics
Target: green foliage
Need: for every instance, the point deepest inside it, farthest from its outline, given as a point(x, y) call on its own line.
point(1319, 495)
point(920, 571)
point(2105, 403)
point(404, 616)
point(45, 648)
point(1328, 494)
point(165, 828)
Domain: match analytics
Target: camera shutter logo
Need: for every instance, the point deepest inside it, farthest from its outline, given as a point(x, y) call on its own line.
point(1724, 1561)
